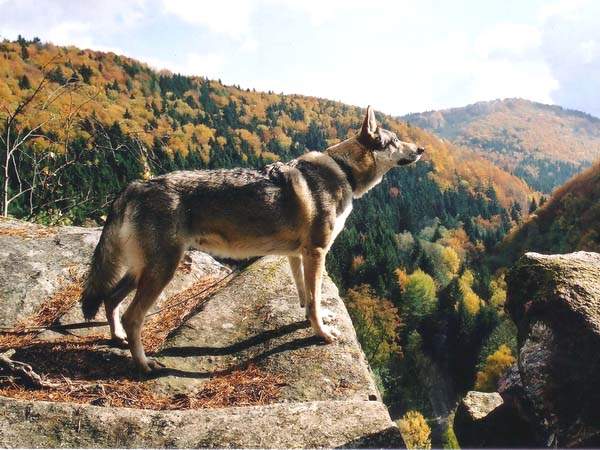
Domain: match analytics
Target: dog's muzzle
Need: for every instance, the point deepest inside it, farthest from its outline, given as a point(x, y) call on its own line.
point(417, 156)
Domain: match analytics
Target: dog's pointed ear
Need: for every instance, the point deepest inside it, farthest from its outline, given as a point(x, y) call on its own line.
point(369, 126)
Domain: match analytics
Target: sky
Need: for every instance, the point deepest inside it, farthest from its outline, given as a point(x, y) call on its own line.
point(399, 56)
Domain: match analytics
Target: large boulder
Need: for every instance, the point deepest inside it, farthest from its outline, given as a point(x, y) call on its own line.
point(41, 265)
point(477, 405)
point(257, 318)
point(36, 262)
point(555, 302)
point(485, 419)
point(250, 334)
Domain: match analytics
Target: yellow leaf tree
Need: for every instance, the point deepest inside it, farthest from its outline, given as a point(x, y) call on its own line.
point(415, 431)
point(495, 366)
point(376, 321)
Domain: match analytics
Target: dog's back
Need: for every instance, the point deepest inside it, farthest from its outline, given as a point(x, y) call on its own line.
point(236, 213)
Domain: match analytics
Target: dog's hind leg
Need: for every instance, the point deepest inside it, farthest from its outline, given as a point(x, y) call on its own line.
point(298, 273)
point(112, 307)
point(314, 264)
point(155, 276)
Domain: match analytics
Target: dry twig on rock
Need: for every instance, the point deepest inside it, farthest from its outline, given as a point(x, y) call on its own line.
point(15, 370)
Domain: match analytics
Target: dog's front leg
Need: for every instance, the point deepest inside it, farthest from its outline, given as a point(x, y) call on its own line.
point(314, 264)
point(298, 273)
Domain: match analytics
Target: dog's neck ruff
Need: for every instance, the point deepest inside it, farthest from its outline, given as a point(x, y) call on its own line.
point(341, 162)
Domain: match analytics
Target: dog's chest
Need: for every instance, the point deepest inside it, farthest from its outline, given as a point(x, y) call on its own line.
point(340, 220)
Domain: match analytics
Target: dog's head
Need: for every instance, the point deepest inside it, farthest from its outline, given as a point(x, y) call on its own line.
point(388, 150)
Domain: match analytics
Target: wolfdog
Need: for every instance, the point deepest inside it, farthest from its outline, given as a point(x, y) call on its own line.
point(295, 209)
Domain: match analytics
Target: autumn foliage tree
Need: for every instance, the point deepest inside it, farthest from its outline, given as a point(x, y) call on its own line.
point(25, 126)
point(377, 324)
point(495, 366)
point(415, 430)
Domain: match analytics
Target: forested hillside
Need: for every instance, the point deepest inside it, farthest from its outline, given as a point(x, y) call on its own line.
point(544, 145)
point(566, 223)
point(93, 106)
point(78, 125)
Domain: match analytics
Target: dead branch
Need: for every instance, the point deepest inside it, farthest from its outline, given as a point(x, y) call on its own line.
point(17, 371)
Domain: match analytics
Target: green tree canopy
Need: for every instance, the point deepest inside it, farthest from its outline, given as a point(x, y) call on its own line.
point(419, 299)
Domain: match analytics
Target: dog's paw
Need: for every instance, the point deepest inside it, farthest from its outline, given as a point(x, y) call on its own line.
point(151, 367)
point(119, 342)
point(302, 299)
point(329, 334)
point(155, 365)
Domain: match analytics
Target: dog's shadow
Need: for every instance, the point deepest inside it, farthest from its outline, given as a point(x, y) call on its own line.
point(98, 361)
point(241, 346)
point(187, 351)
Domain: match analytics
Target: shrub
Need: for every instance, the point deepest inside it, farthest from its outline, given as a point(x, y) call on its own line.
point(415, 431)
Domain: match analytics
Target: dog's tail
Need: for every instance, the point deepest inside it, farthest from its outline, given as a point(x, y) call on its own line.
point(102, 279)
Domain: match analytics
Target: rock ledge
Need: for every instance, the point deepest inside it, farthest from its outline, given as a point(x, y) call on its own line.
point(328, 397)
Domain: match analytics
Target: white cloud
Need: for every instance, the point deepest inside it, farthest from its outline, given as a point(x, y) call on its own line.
point(65, 30)
point(65, 22)
point(415, 68)
point(228, 17)
point(320, 11)
point(70, 32)
point(505, 78)
point(207, 65)
point(562, 8)
point(588, 50)
point(505, 61)
point(463, 69)
point(250, 45)
point(508, 39)
point(570, 46)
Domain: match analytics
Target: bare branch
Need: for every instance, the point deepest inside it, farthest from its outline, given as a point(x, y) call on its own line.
point(18, 194)
point(22, 135)
point(28, 135)
point(20, 371)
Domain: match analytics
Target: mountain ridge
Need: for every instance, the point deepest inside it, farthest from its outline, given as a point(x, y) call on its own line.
point(544, 145)
point(566, 223)
point(484, 103)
